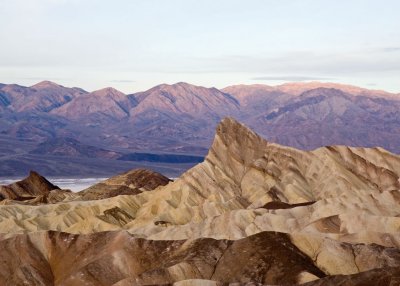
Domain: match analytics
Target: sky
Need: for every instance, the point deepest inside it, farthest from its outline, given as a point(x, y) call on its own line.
point(134, 45)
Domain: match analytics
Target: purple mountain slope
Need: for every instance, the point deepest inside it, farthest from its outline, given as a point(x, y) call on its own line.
point(180, 119)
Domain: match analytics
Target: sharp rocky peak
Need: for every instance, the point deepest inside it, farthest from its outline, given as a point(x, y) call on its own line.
point(33, 185)
point(235, 140)
point(230, 129)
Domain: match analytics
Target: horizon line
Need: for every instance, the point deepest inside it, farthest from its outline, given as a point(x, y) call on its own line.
point(232, 85)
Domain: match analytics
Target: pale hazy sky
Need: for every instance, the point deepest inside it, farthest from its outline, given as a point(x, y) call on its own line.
point(133, 45)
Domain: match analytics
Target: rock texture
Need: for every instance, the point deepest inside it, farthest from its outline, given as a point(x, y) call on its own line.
point(130, 183)
point(33, 186)
point(36, 190)
point(253, 211)
point(382, 276)
point(64, 259)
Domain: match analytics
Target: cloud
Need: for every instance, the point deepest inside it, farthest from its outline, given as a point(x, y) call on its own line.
point(391, 49)
point(291, 78)
point(323, 65)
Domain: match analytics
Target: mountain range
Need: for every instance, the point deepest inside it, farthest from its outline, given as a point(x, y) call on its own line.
point(106, 131)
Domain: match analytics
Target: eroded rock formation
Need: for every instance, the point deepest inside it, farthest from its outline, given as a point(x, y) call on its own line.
point(253, 211)
point(130, 183)
point(32, 186)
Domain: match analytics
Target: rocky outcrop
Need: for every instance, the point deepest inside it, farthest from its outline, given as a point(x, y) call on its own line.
point(64, 259)
point(130, 183)
point(381, 276)
point(35, 189)
point(268, 258)
point(33, 186)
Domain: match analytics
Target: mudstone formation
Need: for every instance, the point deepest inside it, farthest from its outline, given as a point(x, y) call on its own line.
point(253, 213)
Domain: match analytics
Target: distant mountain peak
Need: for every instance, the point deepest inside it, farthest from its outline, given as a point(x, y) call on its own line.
point(107, 91)
point(332, 90)
point(185, 98)
point(103, 103)
point(172, 86)
point(182, 83)
point(299, 87)
point(257, 85)
point(46, 84)
point(179, 85)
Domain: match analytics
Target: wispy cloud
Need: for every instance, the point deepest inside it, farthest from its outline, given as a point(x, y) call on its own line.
point(323, 64)
point(291, 78)
point(390, 49)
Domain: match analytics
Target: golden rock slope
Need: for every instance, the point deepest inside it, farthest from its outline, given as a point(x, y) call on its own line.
point(338, 206)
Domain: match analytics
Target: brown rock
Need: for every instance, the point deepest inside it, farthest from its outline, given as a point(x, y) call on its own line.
point(105, 258)
point(130, 183)
point(32, 186)
point(377, 277)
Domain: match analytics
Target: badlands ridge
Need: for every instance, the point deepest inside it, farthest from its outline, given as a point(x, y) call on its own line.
point(252, 212)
